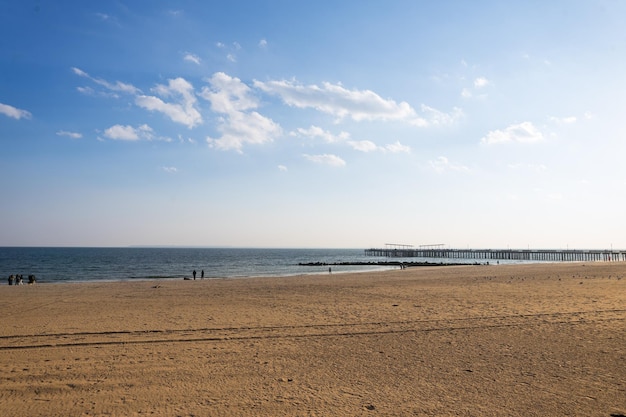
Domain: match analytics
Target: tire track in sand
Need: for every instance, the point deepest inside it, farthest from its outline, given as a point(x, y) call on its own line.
point(217, 334)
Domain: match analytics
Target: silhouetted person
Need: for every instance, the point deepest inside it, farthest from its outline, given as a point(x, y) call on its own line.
point(194, 274)
point(202, 274)
point(11, 279)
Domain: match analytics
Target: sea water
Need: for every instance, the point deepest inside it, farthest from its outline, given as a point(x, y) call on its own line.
point(55, 264)
point(119, 264)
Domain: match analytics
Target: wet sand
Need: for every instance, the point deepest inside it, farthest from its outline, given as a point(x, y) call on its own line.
point(532, 340)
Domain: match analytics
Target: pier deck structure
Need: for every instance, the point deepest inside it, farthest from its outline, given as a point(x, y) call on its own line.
point(548, 255)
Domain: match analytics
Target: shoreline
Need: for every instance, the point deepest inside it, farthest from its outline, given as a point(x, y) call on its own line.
point(122, 264)
point(375, 267)
point(208, 278)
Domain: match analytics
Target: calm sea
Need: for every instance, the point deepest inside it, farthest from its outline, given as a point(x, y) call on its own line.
point(120, 264)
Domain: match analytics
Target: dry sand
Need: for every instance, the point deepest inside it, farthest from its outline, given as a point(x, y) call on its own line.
point(533, 340)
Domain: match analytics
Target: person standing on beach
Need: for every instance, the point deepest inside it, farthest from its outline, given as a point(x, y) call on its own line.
point(202, 274)
point(194, 274)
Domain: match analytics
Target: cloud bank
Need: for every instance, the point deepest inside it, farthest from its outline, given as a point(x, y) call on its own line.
point(238, 122)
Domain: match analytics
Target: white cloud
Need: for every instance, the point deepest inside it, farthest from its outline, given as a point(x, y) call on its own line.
point(80, 72)
point(239, 125)
point(263, 43)
point(103, 16)
point(119, 132)
point(192, 58)
point(397, 148)
point(180, 106)
point(481, 82)
point(244, 128)
point(317, 132)
point(86, 90)
point(314, 132)
point(146, 131)
point(442, 164)
point(524, 132)
point(170, 170)
point(369, 146)
point(231, 50)
point(364, 145)
point(181, 139)
point(478, 84)
point(437, 118)
point(358, 105)
point(282, 168)
point(73, 135)
point(14, 112)
point(228, 94)
point(338, 101)
point(183, 111)
point(129, 133)
point(118, 86)
point(326, 159)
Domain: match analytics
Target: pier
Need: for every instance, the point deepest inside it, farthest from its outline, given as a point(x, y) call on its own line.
point(547, 255)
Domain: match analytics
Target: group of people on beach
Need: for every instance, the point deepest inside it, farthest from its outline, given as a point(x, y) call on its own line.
point(201, 274)
point(18, 279)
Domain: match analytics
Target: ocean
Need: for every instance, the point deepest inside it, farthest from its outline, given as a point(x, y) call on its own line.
point(56, 265)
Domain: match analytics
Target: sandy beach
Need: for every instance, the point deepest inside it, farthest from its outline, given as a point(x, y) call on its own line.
point(532, 340)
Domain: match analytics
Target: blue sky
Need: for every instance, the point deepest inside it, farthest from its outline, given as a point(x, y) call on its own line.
point(313, 124)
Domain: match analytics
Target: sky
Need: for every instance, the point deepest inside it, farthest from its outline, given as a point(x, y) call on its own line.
point(326, 124)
